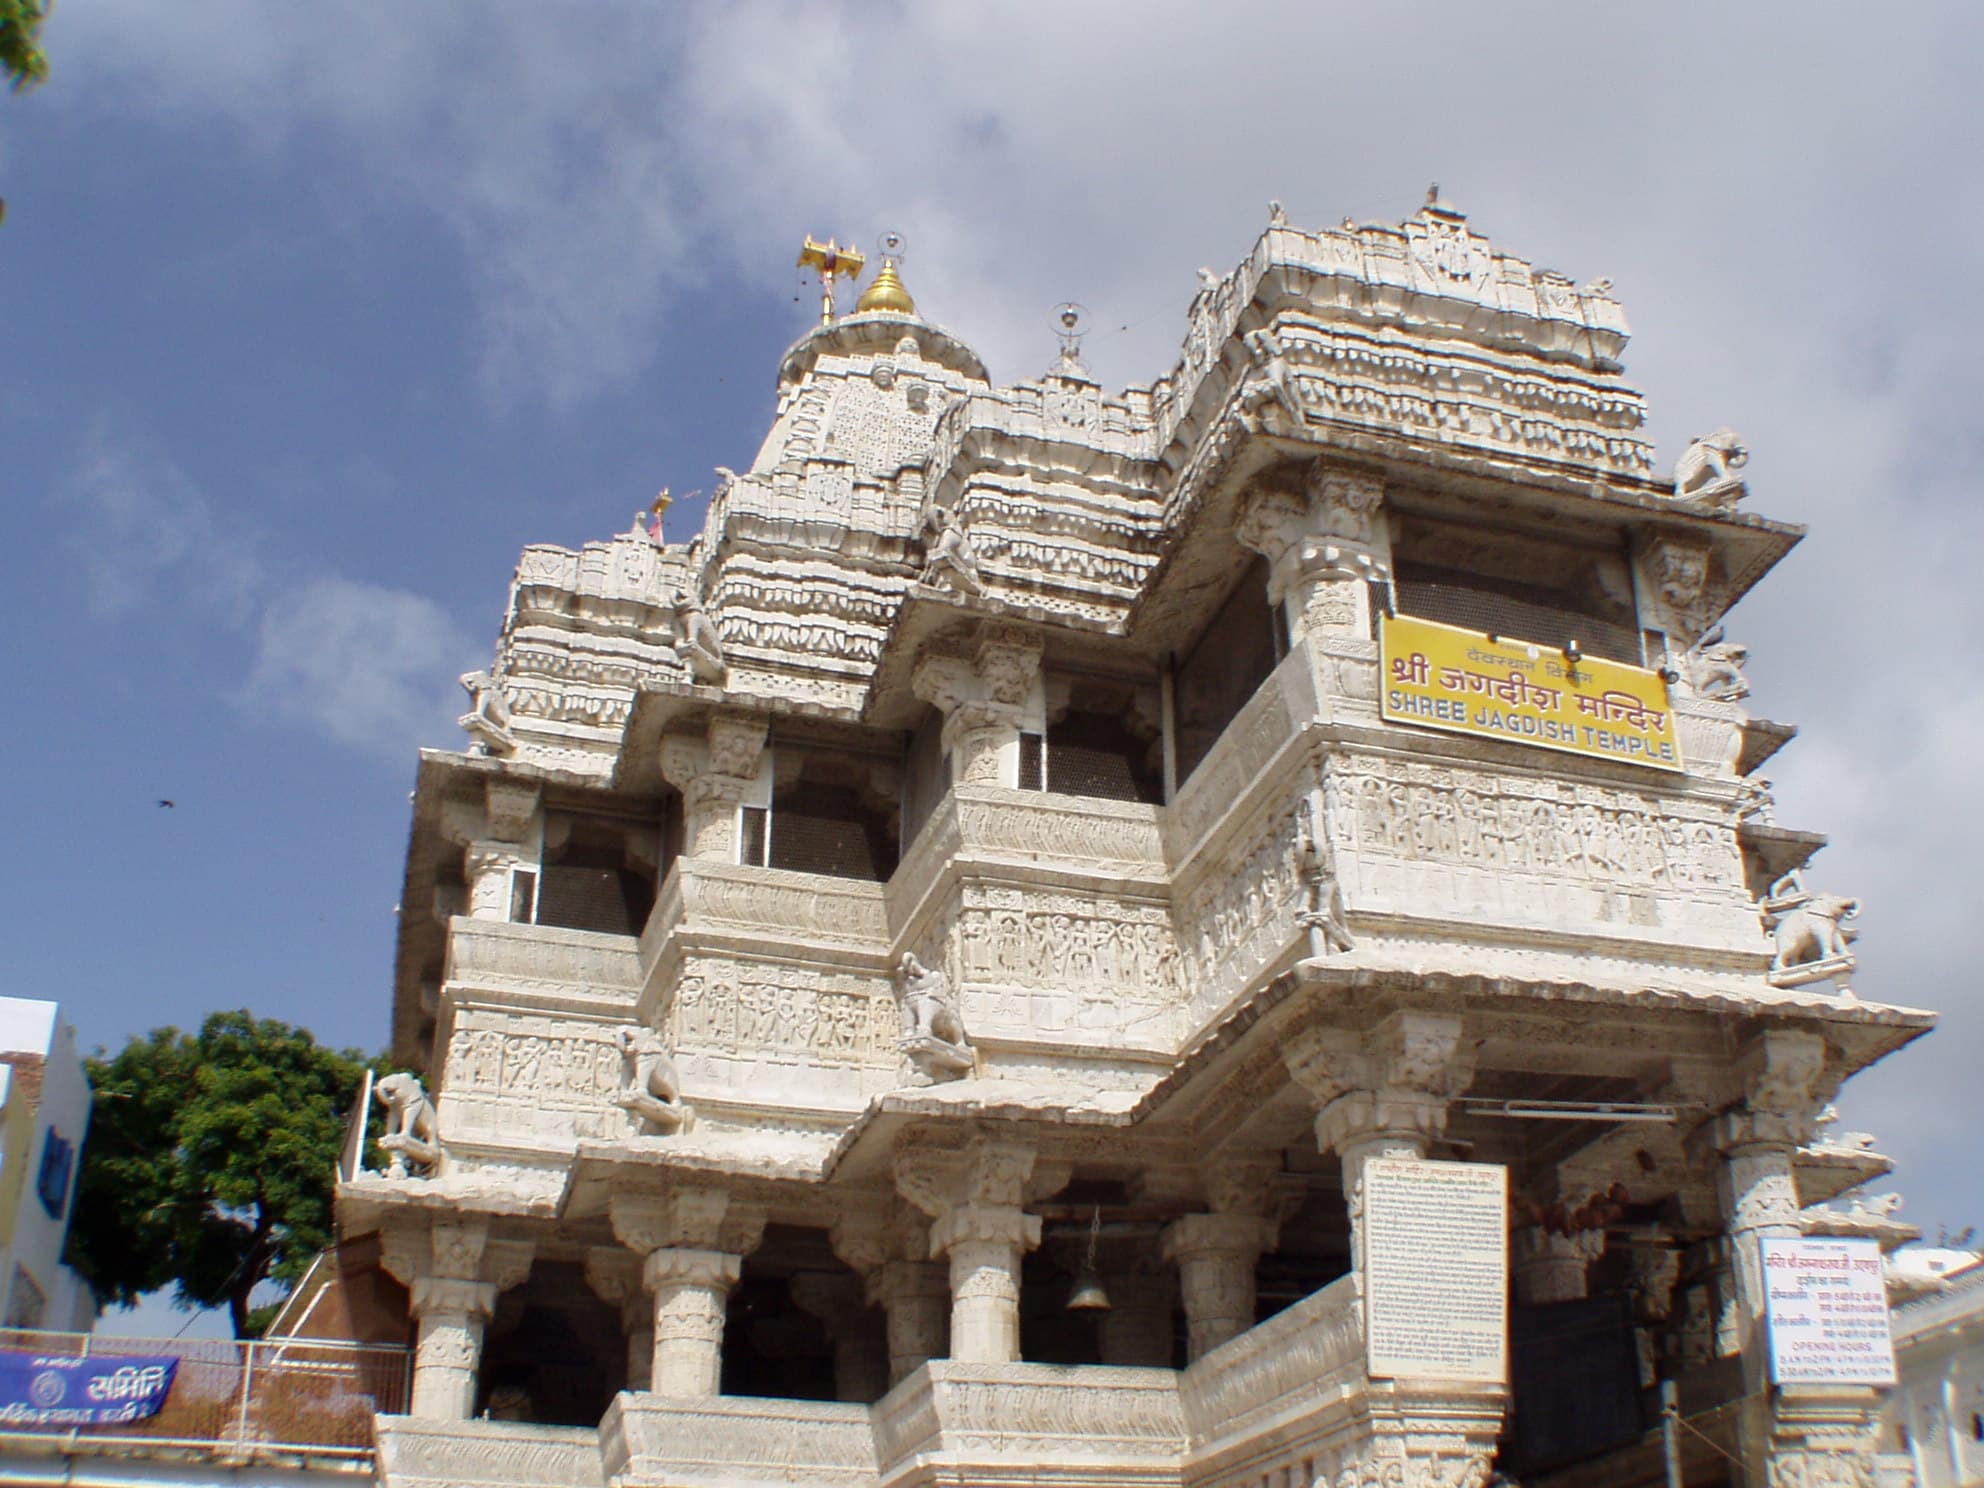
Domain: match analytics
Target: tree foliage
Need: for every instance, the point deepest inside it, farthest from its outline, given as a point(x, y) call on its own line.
point(211, 1162)
point(20, 47)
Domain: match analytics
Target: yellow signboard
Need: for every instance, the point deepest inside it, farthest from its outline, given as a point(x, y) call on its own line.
point(1443, 677)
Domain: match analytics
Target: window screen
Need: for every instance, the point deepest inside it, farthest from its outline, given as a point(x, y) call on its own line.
point(1092, 754)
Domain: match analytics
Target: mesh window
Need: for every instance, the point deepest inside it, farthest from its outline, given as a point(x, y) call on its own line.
point(1544, 616)
point(1232, 659)
point(1032, 776)
point(821, 828)
point(582, 897)
point(1091, 754)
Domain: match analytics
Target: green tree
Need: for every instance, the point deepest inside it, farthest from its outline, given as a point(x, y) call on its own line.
point(20, 50)
point(211, 1162)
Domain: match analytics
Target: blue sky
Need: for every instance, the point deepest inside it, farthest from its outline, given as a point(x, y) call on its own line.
point(316, 315)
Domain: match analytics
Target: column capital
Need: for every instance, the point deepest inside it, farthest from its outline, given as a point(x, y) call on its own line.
point(614, 1274)
point(672, 1266)
point(1235, 1234)
point(429, 1295)
point(1785, 1084)
point(1322, 527)
point(1396, 1079)
point(984, 1171)
point(688, 1216)
point(714, 773)
point(460, 1250)
point(998, 1224)
point(982, 697)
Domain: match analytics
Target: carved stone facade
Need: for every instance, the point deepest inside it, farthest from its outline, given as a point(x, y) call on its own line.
point(953, 974)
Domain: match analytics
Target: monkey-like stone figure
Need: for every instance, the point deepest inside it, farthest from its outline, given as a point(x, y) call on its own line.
point(649, 1090)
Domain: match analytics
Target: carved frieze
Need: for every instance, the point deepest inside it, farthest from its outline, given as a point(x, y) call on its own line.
point(534, 1079)
point(760, 1009)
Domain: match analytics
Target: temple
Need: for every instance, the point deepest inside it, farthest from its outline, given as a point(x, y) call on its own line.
point(1223, 934)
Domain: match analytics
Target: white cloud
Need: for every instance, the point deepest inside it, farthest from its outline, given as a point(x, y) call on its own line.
point(370, 667)
point(146, 528)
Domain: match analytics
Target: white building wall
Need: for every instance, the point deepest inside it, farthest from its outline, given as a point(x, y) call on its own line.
point(33, 1235)
point(1937, 1411)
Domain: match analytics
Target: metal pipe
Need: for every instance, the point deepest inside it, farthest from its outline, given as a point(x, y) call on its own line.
point(1670, 1431)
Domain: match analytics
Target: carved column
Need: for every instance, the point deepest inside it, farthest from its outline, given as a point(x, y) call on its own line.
point(860, 1364)
point(1549, 1267)
point(1325, 541)
point(453, 1274)
point(974, 1198)
point(495, 840)
point(615, 1274)
point(694, 1241)
point(1216, 1254)
point(1384, 1093)
point(983, 701)
point(714, 774)
point(1796, 1432)
point(914, 1294)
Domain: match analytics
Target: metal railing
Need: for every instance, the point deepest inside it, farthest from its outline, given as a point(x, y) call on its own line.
point(282, 1397)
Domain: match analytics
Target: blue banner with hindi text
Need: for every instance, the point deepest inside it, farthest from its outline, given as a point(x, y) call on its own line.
point(99, 1390)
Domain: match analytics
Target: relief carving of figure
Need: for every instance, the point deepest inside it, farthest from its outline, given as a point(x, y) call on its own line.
point(1707, 470)
point(1811, 939)
point(649, 1090)
point(1321, 913)
point(412, 1136)
point(1274, 382)
point(487, 721)
point(933, 1035)
point(948, 552)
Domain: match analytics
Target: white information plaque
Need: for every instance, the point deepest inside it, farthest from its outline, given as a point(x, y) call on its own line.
point(1826, 1305)
point(1436, 1278)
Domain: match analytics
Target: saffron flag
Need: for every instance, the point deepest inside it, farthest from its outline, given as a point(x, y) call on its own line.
point(91, 1390)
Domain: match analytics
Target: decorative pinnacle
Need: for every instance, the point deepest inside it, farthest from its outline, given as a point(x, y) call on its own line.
point(829, 260)
point(887, 292)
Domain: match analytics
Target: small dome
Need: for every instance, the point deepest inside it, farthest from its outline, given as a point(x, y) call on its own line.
point(886, 294)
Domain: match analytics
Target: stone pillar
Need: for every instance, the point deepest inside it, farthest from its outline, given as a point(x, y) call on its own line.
point(1793, 1433)
point(860, 1362)
point(714, 774)
point(1550, 1267)
point(916, 1298)
point(887, 1245)
point(615, 1274)
point(495, 840)
point(453, 1274)
point(1325, 540)
point(974, 1199)
point(691, 1289)
point(983, 700)
point(693, 1240)
point(1381, 1093)
point(1216, 1255)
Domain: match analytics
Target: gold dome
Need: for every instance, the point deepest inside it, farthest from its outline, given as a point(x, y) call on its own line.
point(886, 293)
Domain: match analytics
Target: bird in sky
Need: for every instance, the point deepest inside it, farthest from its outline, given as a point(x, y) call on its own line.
point(168, 805)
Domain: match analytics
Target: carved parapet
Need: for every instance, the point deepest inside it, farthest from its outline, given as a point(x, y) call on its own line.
point(1547, 1266)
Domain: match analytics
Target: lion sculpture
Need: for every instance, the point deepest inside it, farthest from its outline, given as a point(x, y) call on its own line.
point(412, 1134)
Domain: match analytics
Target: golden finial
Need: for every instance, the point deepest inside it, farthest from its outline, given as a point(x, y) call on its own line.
point(887, 292)
point(829, 260)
